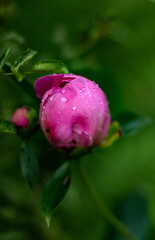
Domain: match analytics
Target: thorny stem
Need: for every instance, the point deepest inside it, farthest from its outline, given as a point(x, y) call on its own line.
point(101, 206)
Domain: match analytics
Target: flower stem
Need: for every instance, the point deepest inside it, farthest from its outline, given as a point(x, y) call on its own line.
point(101, 206)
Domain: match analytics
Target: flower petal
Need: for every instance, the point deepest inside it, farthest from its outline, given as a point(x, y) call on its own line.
point(43, 84)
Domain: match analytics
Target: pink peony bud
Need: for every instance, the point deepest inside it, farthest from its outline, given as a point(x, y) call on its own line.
point(73, 112)
point(19, 117)
point(25, 120)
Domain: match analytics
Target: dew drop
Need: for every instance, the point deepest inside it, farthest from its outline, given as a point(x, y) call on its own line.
point(74, 108)
point(63, 99)
point(83, 89)
point(63, 91)
point(43, 107)
point(51, 98)
point(80, 90)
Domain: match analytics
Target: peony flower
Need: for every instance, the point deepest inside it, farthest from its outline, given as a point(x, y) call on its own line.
point(20, 118)
point(73, 111)
point(25, 120)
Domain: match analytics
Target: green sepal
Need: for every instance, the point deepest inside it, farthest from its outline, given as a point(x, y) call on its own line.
point(113, 135)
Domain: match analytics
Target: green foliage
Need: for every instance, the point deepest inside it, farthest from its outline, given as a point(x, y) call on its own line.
point(51, 66)
point(112, 44)
point(29, 164)
point(4, 57)
point(23, 59)
point(55, 190)
point(131, 123)
point(7, 127)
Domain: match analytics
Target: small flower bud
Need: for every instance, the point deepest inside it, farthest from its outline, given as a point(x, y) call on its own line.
point(25, 120)
point(73, 111)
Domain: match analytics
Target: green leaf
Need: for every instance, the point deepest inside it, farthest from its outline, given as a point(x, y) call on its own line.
point(4, 57)
point(29, 164)
point(55, 190)
point(7, 127)
point(51, 65)
point(131, 123)
point(23, 59)
point(113, 135)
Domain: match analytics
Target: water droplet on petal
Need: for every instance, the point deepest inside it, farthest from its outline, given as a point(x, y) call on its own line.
point(80, 90)
point(63, 91)
point(43, 107)
point(83, 89)
point(74, 108)
point(51, 98)
point(63, 99)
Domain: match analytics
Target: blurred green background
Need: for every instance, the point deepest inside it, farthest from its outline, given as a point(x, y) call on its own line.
point(112, 43)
